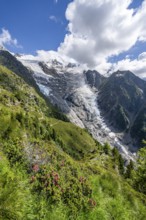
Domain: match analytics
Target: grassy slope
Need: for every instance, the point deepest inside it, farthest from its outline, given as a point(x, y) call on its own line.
point(51, 169)
point(77, 142)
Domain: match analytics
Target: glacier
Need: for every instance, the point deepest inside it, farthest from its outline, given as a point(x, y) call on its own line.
point(65, 85)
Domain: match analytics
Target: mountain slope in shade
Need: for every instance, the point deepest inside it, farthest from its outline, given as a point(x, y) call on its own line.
point(94, 79)
point(10, 61)
point(122, 100)
point(138, 130)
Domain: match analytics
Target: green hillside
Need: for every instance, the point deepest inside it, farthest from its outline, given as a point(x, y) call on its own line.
point(52, 169)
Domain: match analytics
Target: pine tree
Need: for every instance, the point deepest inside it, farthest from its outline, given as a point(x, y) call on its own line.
point(107, 148)
point(129, 170)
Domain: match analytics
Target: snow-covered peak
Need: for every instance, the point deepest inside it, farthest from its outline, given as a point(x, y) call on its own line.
point(49, 57)
point(52, 60)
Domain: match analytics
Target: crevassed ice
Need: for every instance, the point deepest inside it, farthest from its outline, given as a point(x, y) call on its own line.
point(45, 90)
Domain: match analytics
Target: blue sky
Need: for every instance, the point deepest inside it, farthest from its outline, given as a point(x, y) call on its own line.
point(28, 21)
point(42, 25)
point(136, 3)
point(138, 48)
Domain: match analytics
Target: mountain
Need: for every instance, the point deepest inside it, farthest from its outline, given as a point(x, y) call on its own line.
point(53, 169)
point(8, 60)
point(94, 79)
point(122, 100)
point(111, 108)
point(106, 106)
point(79, 95)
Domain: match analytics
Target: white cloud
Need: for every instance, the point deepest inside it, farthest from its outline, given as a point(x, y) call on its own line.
point(137, 66)
point(6, 39)
point(53, 18)
point(56, 1)
point(99, 29)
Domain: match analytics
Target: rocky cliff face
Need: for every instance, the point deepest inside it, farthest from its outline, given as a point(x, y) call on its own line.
point(94, 79)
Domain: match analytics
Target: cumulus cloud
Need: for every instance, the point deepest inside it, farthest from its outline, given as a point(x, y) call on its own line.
point(99, 29)
point(137, 66)
point(6, 39)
